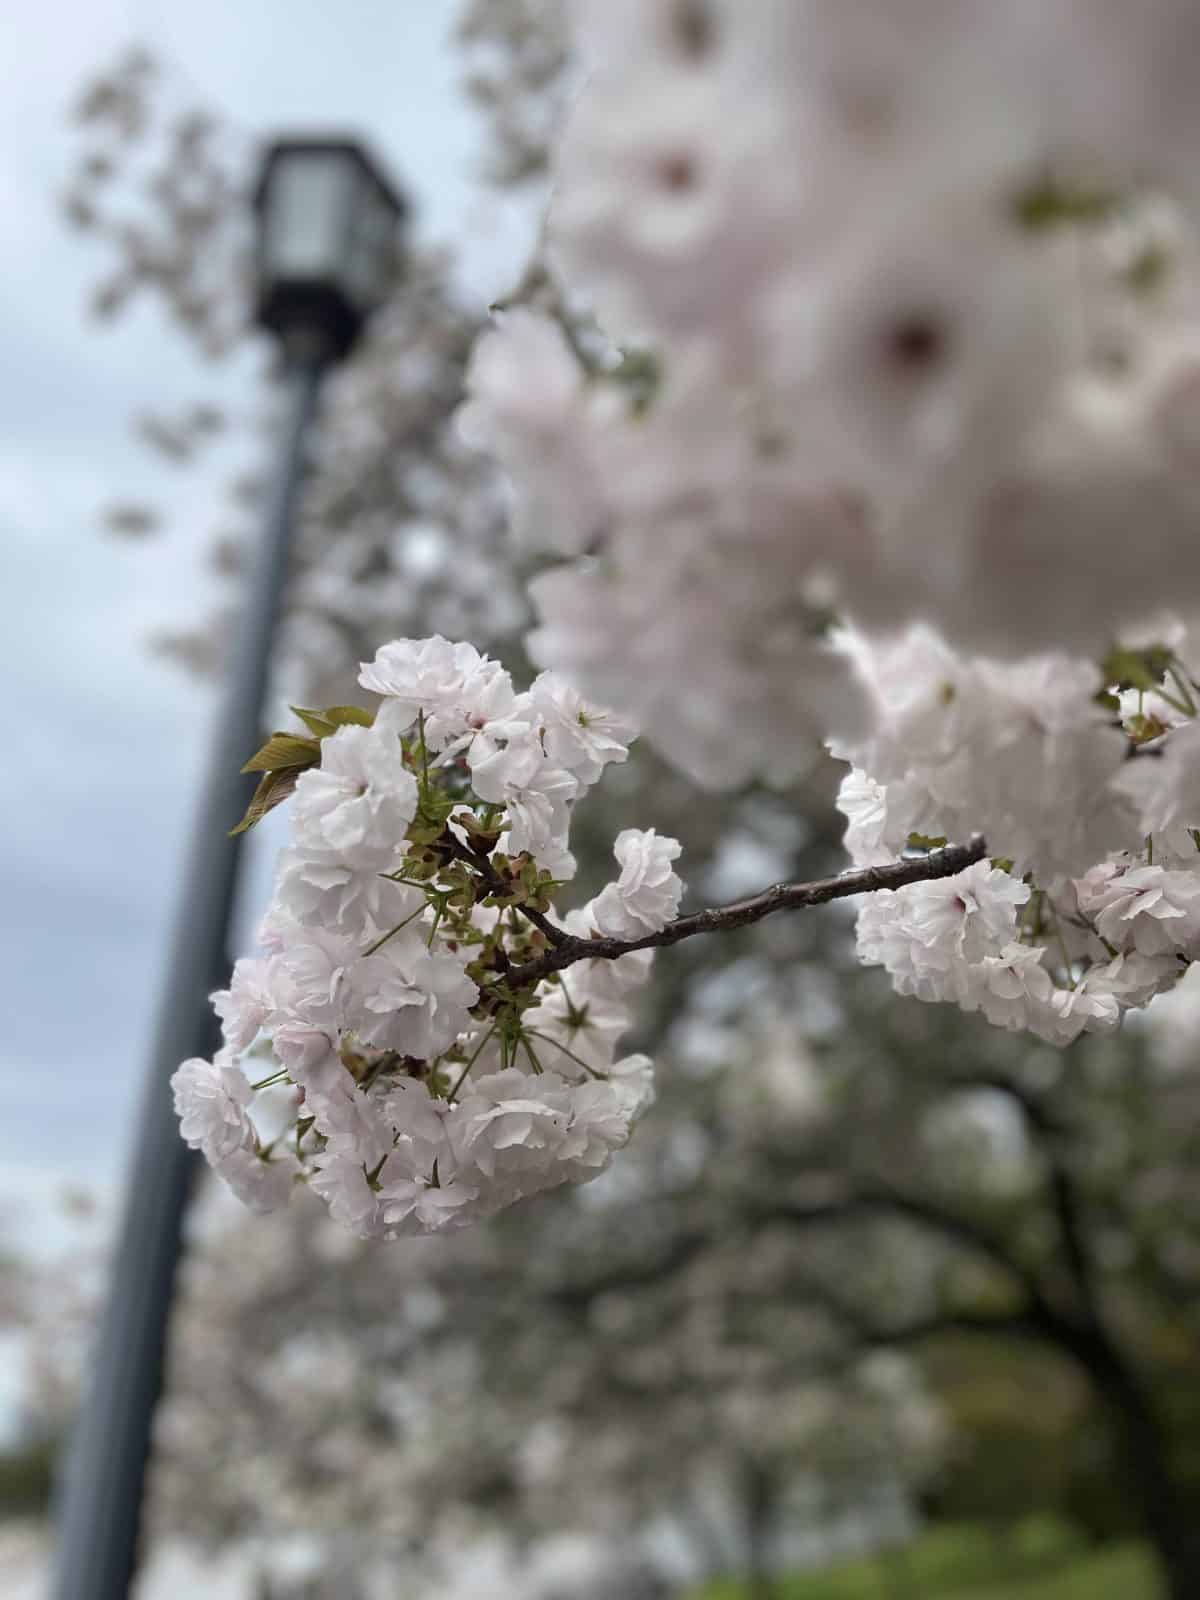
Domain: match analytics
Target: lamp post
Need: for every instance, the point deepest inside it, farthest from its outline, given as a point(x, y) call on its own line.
point(326, 257)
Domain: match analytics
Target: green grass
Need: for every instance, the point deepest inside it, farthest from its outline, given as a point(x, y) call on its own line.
point(1121, 1574)
point(1041, 1563)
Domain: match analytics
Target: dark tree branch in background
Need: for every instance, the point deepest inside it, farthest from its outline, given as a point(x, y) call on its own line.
point(862, 1333)
point(567, 950)
point(863, 1203)
point(875, 1199)
point(1047, 1131)
point(649, 1271)
point(1040, 1317)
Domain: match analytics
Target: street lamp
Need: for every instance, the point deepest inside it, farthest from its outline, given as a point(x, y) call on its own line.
point(327, 235)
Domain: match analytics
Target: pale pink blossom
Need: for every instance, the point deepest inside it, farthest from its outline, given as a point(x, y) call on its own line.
point(359, 801)
point(646, 895)
point(210, 1101)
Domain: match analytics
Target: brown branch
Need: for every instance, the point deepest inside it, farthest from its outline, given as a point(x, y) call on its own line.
point(944, 863)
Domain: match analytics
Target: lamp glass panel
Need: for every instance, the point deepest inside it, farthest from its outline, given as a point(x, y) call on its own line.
point(368, 261)
point(308, 215)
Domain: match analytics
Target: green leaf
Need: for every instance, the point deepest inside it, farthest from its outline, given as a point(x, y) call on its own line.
point(424, 830)
point(1136, 669)
point(273, 788)
point(323, 723)
point(285, 750)
point(315, 721)
point(339, 716)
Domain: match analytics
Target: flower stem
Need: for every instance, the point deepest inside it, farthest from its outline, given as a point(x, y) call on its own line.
point(392, 932)
point(548, 1038)
point(272, 1078)
point(474, 1058)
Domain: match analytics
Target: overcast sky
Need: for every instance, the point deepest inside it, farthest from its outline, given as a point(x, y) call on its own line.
point(102, 741)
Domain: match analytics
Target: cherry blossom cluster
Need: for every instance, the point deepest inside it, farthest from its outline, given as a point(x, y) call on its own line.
point(867, 410)
point(1090, 802)
point(395, 1045)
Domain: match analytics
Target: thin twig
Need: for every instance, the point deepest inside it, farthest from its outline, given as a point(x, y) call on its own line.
point(480, 863)
point(944, 863)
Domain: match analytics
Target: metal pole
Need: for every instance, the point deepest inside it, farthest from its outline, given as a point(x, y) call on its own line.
point(101, 1500)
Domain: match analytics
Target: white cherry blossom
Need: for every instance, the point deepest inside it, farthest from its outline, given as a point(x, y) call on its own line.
point(246, 1004)
point(409, 998)
point(577, 736)
point(1146, 911)
point(210, 1101)
point(321, 890)
point(646, 895)
point(358, 802)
